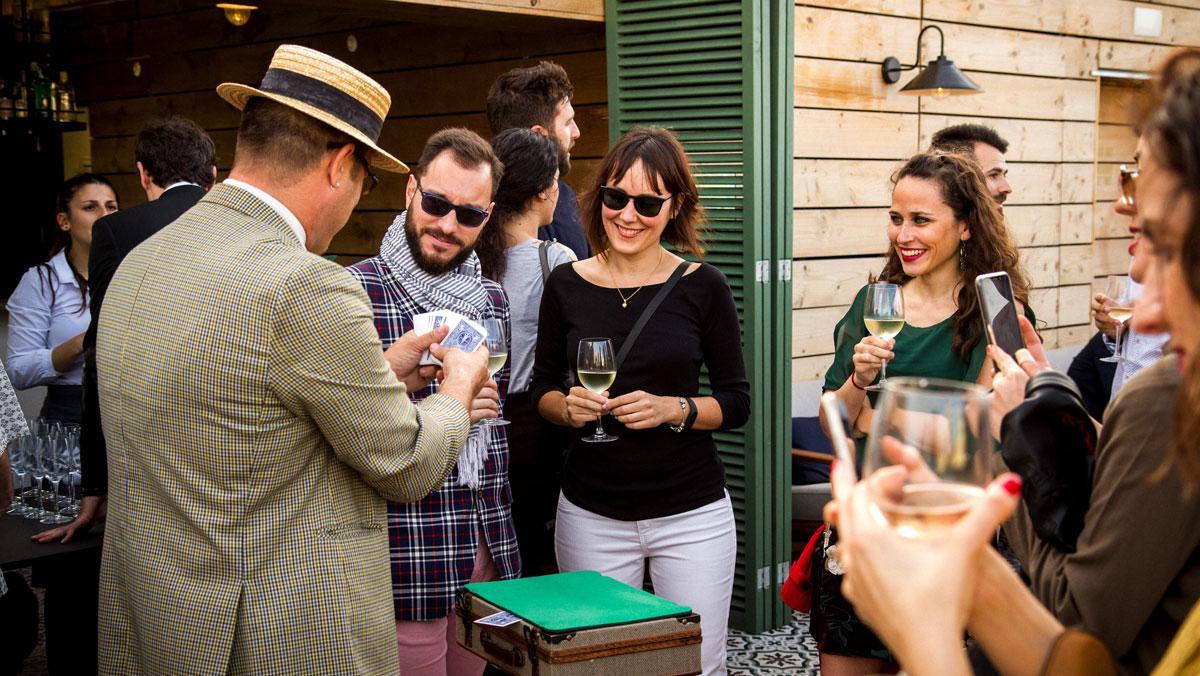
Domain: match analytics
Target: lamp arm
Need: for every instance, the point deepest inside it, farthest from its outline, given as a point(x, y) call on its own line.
point(941, 50)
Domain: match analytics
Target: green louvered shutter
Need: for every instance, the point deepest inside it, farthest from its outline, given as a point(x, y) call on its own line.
point(703, 69)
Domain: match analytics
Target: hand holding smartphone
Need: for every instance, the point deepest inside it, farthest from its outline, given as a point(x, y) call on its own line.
point(998, 309)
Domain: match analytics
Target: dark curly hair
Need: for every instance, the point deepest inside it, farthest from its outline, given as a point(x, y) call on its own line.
point(666, 165)
point(175, 149)
point(990, 248)
point(530, 160)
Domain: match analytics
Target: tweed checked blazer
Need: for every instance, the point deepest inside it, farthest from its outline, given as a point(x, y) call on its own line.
point(254, 430)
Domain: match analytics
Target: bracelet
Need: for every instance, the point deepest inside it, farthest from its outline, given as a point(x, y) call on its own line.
point(854, 381)
point(692, 411)
point(683, 408)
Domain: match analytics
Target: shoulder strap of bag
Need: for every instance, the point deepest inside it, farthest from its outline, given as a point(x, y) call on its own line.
point(544, 259)
point(646, 314)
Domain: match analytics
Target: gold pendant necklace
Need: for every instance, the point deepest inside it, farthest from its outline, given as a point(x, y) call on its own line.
point(625, 299)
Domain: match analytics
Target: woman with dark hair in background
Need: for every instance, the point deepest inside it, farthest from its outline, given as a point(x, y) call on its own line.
point(657, 493)
point(944, 230)
point(48, 311)
point(510, 253)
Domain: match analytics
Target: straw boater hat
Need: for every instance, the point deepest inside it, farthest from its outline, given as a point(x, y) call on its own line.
point(319, 85)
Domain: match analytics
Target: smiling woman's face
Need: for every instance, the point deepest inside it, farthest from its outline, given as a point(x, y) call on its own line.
point(922, 227)
point(1165, 213)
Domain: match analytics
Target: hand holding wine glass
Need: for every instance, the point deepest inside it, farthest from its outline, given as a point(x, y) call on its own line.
point(1120, 308)
point(883, 315)
point(596, 368)
point(937, 433)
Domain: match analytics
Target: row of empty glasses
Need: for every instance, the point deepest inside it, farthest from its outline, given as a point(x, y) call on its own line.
point(45, 467)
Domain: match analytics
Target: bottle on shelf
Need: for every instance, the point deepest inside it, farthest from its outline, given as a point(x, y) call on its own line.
point(66, 98)
point(42, 93)
point(20, 95)
point(6, 102)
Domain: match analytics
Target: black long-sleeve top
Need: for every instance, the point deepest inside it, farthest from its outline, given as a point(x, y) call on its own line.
point(657, 472)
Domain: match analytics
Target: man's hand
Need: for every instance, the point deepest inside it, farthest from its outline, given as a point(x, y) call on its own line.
point(93, 510)
point(1104, 322)
point(463, 373)
point(404, 356)
point(487, 403)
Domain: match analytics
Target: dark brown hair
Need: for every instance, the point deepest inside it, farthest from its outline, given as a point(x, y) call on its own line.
point(468, 149)
point(666, 165)
point(284, 140)
point(523, 97)
point(961, 138)
point(1173, 133)
point(529, 163)
point(990, 248)
point(176, 149)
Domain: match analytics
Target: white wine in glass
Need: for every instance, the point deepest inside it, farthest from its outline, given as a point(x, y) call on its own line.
point(1120, 308)
point(497, 344)
point(596, 368)
point(926, 459)
point(883, 315)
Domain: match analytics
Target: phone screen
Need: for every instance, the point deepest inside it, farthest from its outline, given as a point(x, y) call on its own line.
point(999, 311)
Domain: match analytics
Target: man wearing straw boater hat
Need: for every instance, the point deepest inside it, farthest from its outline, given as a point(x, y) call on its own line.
point(254, 423)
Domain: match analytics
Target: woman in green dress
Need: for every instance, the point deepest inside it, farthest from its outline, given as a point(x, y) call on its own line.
point(944, 230)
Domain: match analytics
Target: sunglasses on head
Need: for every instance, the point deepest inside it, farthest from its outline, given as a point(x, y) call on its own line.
point(646, 205)
point(438, 206)
point(1128, 179)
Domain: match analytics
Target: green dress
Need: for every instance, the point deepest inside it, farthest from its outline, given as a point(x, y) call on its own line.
point(920, 351)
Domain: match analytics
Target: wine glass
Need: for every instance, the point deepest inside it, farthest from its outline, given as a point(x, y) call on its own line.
point(597, 369)
point(54, 469)
point(927, 456)
point(496, 342)
point(17, 462)
point(883, 313)
point(1120, 308)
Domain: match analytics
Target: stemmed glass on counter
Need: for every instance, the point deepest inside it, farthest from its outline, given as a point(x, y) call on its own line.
point(597, 369)
point(40, 462)
point(883, 314)
point(927, 456)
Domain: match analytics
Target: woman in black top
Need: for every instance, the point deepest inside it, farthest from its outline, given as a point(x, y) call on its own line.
point(656, 494)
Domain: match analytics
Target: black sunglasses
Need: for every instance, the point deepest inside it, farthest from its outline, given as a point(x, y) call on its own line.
point(436, 205)
point(646, 205)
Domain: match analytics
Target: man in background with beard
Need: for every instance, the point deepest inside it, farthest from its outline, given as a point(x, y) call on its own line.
point(985, 146)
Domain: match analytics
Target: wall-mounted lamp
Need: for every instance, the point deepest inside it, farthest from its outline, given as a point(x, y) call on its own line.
point(237, 15)
point(941, 78)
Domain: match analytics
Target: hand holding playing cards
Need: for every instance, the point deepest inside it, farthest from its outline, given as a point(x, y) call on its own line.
point(584, 406)
point(462, 373)
point(404, 356)
point(641, 410)
point(487, 403)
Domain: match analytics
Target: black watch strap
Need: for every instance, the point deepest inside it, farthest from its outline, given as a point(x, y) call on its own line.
point(691, 416)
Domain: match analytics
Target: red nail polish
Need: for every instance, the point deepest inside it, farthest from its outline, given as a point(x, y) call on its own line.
point(833, 467)
point(1013, 485)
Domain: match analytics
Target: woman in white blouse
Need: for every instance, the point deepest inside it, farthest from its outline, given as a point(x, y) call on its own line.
point(48, 311)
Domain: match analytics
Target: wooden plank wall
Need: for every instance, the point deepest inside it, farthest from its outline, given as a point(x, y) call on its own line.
point(1034, 59)
point(438, 76)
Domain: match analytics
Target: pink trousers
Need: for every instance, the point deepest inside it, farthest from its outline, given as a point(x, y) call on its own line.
point(430, 648)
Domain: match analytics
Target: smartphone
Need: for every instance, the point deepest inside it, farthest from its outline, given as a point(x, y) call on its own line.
point(999, 311)
point(839, 430)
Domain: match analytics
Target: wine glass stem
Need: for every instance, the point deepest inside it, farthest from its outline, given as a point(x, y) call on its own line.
point(883, 371)
point(1117, 342)
point(600, 426)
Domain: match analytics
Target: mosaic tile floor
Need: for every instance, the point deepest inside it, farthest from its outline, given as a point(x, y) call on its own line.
point(787, 650)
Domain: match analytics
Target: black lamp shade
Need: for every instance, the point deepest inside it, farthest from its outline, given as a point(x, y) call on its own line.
point(941, 78)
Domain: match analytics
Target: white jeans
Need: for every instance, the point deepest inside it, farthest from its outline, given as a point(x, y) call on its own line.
point(691, 560)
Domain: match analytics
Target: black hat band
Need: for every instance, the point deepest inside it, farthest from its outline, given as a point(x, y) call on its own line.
point(324, 97)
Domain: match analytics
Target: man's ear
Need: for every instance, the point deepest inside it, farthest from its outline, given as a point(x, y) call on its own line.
point(541, 130)
point(341, 163)
point(145, 179)
point(410, 189)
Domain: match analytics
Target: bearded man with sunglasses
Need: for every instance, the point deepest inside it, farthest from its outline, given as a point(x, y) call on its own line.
point(463, 532)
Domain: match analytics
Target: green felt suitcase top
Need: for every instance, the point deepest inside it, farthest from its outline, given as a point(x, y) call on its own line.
point(583, 599)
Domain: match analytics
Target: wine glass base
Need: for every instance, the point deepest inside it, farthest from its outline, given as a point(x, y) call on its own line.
point(1111, 360)
point(599, 438)
point(874, 388)
point(54, 519)
point(495, 422)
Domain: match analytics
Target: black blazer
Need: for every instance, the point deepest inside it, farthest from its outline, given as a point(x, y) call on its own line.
point(113, 237)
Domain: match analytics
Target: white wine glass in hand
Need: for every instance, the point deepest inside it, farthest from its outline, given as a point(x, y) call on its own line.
point(927, 456)
point(597, 369)
point(497, 344)
point(883, 314)
point(1120, 308)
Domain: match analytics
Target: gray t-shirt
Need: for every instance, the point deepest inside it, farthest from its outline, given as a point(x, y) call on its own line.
point(523, 284)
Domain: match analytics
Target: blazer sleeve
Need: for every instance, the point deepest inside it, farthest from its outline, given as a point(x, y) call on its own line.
point(328, 365)
point(1110, 585)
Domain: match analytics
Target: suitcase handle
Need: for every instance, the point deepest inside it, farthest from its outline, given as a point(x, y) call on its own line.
point(510, 656)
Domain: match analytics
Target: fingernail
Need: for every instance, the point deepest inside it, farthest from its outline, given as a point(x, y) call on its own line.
point(833, 467)
point(1012, 485)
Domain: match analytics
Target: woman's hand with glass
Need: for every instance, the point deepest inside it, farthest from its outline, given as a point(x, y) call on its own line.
point(584, 406)
point(641, 410)
point(869, 355)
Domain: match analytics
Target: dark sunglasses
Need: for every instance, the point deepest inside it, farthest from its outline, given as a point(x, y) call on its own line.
point(371, 181)
point(1128, 180)
point(436, 205)
point(646, 205)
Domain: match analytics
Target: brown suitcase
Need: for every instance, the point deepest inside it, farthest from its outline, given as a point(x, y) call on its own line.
point(664, 645)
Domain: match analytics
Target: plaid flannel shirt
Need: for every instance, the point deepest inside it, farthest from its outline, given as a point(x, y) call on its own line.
point(433, 541)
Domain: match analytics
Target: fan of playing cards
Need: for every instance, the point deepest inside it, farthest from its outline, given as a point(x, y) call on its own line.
point(465, 334)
